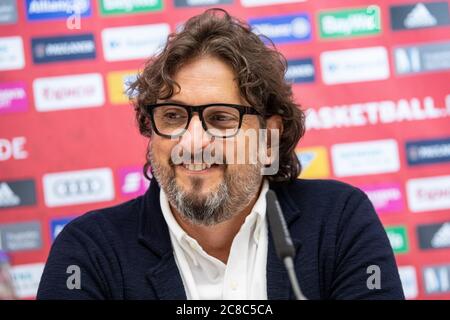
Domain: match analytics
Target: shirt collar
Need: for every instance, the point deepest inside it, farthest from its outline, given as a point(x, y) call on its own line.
point(259, 209)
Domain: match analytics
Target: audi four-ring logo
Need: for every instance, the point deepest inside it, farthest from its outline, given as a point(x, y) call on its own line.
point(77, 187)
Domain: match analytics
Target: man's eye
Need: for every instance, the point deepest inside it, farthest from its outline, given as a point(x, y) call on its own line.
point(173, 115)
point(221, 117)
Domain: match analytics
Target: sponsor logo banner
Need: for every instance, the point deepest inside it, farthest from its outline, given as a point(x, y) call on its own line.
point(118, 84)
point(197, 3)
point(436, 279)
point(375, 112)
point(256, 3)
point(13, 148)
point(428, 151)
point(68, 92)
point(13, 97)
point(132, 182)
point(284, 29)
point(314, 160)
point(78, 187)
point(8, 11)
point(428, 194)
point(349, 23)
point(385, 197)
point(112, 7)
point(419, 15)
point(434, 236)
point(57, 9)
point(408, 278)
point(11, 53)
point(300, 71)
point(26, 278)
point(20, 236)
point(398, 238)
point(354, 65)
point(135, 42)
point(66, 48)
point(57, 225)
point(17, 193)
point(422, 58)
point(364, 158)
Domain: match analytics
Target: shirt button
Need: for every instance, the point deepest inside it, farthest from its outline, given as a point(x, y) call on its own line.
point(233, 285)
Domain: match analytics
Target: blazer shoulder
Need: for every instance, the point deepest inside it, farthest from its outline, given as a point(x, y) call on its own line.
point(115, 219)
point(320, 198)
point(323, 190)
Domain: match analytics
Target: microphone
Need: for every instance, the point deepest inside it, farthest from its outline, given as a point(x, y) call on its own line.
point(284, 246)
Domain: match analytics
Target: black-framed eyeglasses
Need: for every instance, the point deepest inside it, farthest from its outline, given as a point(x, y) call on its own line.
point(220, 120)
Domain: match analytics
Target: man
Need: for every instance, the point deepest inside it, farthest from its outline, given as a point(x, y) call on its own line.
point(200, 231)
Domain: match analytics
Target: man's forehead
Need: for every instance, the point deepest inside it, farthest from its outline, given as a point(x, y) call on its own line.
point(204, 93)
point(211, 82)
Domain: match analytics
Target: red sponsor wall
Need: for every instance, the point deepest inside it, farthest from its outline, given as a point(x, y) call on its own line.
point(372, 76)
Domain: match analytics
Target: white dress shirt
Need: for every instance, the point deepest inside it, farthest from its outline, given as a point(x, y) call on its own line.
point(206, 277)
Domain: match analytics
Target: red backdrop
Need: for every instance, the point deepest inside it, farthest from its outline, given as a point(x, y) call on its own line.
point(359, 93)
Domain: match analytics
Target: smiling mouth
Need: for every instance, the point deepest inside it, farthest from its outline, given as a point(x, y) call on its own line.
point(198, 167)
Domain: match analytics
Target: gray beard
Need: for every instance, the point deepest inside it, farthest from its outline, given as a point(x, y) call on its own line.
point(231, 197)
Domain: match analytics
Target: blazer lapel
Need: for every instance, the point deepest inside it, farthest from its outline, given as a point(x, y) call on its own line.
point(166, 280)
point(165, 277)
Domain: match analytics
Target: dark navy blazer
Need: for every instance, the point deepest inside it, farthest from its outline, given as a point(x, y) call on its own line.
point(124, 252)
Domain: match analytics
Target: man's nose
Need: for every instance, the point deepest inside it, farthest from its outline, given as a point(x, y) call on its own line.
point(195, 139)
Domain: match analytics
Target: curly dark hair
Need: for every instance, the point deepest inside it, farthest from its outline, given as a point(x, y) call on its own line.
point(259, 69)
